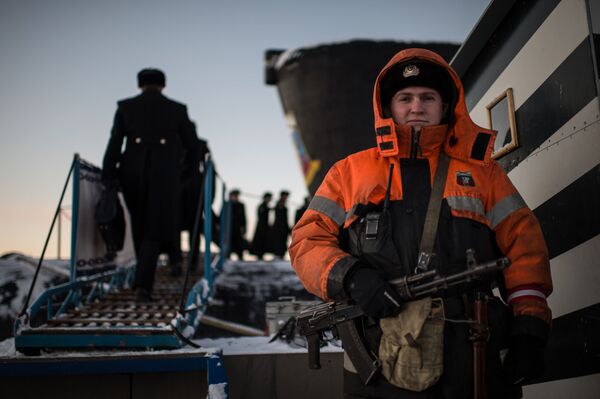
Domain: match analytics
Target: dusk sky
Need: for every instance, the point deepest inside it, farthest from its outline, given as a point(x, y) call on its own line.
point(65, 63)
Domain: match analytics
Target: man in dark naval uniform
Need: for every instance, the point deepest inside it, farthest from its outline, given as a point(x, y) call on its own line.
point(156, 131)
point(238, 225)
point(261, 233)
point(281, 228)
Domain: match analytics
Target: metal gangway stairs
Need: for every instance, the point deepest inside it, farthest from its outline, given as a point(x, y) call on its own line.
point(98, 310)
point(110, 319)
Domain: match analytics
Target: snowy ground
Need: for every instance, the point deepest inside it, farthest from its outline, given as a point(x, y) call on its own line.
point(16, 274)
point(228, 346)
point(259, 346)
point(242, 290)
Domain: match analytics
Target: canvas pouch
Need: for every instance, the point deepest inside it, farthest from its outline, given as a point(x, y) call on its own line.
point(412, 346)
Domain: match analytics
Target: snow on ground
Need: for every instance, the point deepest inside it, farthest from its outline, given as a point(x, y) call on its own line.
point(228, 346)
point(242, 290)
point(16, 274)
point(217, 391)
point(258, 346)
point(8, 351)
point(7, 348)
point(266, 276)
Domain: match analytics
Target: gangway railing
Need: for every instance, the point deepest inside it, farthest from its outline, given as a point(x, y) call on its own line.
point(200, 294)
point(58, 317)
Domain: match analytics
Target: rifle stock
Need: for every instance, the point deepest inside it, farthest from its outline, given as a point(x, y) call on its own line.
point(340, 317)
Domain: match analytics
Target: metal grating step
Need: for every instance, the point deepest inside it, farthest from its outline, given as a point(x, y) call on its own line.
point(120, 310)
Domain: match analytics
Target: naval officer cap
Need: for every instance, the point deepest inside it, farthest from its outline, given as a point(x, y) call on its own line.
point(416, 73)
point(151, 76)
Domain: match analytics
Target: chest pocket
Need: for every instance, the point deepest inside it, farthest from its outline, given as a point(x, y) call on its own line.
point(371, 239)
point(386, 236)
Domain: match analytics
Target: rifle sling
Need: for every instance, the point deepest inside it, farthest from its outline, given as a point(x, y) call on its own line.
point(432, 216)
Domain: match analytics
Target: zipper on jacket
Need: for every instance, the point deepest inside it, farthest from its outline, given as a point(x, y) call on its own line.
point(414, 147)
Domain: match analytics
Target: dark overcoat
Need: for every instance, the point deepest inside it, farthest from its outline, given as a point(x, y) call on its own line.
point(259, 242)
point(238, 227)
point(156, 131)
point(279, 232)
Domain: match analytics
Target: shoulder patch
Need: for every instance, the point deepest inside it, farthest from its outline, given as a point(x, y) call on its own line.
point(465, 179)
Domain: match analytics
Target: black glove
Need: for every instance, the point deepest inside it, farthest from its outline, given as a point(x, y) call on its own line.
point(375, 296)
point(524, 360)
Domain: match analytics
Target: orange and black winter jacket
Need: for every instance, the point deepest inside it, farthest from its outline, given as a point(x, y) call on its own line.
point(477, 191)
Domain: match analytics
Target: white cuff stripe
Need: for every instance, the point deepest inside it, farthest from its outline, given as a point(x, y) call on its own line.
point(520, 293)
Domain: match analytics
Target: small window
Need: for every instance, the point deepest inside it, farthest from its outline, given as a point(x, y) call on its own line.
point(501, 117)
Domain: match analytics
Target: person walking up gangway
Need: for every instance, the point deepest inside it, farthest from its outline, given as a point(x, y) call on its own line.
point(156, 131)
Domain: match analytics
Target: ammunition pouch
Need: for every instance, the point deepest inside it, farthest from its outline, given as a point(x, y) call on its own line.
point(411, 350)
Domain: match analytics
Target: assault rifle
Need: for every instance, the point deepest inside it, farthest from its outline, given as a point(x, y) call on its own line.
point(339, 317)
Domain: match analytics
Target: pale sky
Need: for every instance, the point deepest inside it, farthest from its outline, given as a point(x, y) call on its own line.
point(65, 63)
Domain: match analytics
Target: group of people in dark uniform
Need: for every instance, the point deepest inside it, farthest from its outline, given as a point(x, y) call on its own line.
point(269, 237)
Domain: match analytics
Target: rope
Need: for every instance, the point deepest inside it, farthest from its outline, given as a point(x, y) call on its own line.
point(56, 213)
point(185, 339)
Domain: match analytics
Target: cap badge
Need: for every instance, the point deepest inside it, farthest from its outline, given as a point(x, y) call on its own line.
point(410, 70)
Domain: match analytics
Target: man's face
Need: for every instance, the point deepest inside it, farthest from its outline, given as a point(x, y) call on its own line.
point(417, 106)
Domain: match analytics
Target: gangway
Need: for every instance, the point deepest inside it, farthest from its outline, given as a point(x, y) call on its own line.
point(112, 320)
point(97, 309)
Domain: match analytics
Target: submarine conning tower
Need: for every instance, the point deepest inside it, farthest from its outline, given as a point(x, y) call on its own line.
point(326, 92)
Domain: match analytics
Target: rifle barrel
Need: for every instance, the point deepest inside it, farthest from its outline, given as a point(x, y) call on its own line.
point(440, 283)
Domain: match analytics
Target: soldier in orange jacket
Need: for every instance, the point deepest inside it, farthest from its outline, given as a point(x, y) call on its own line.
point(420, 112)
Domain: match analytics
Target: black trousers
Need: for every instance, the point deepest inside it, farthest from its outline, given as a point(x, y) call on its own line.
point(147, 256)
point(379, 388)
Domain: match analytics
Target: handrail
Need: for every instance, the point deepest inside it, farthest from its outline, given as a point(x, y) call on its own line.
point(72, 292)
point(117, 279)
point(37, 270)
point(208, 222)
point(199, 296)
point(195, 241)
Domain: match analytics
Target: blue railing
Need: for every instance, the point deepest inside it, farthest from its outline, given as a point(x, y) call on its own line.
point(72, 294)
point(201, 293)
point(84, 289)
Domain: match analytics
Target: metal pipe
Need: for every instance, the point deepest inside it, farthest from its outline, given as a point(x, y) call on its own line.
point(59, 232)
point(231, 326)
